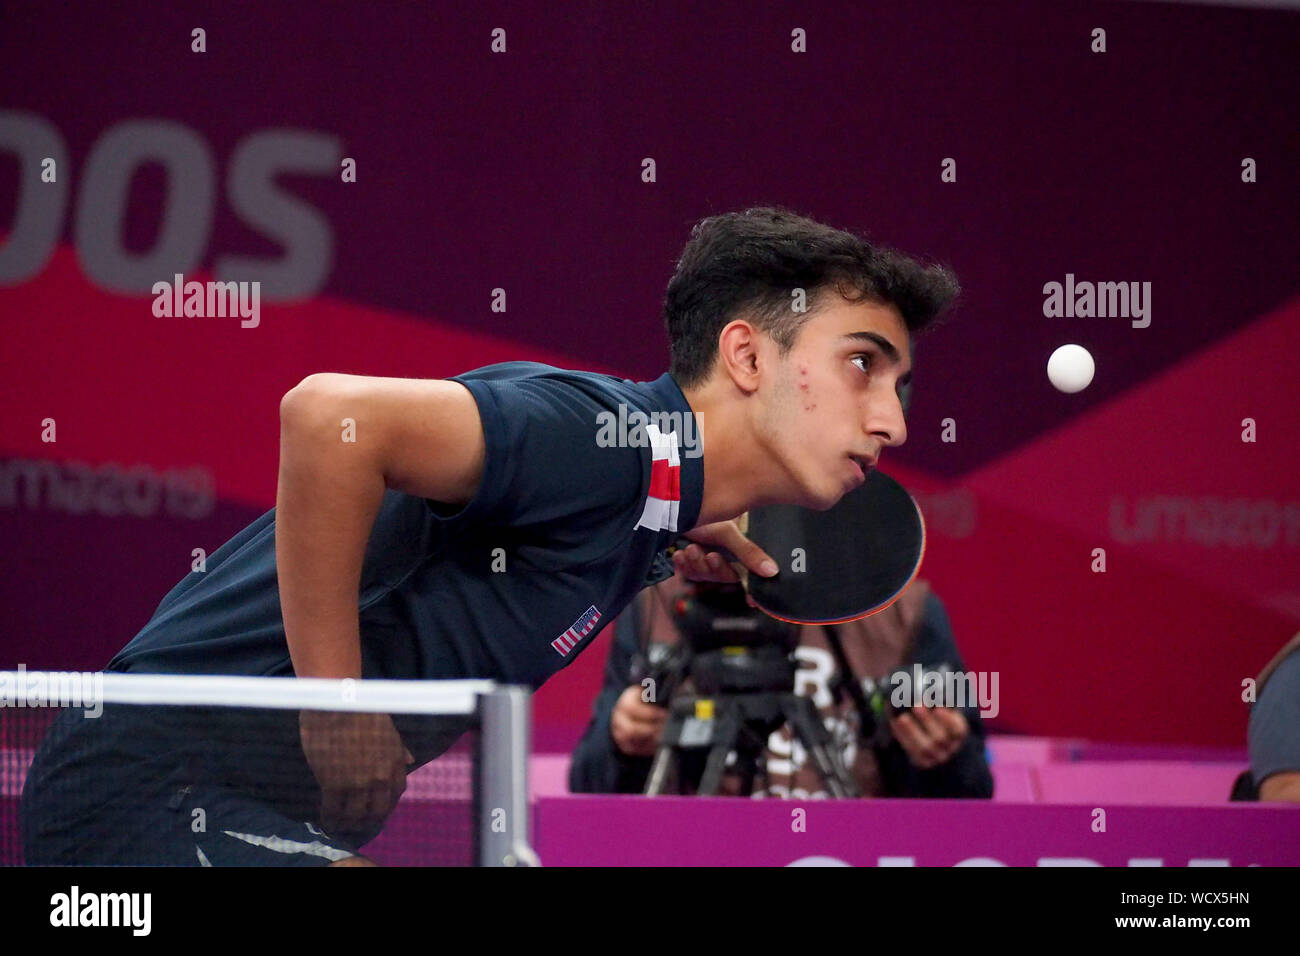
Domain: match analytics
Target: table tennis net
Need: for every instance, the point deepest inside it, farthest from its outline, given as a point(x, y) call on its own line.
point(116, 769)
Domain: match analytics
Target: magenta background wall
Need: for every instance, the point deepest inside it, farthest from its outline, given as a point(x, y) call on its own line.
point(522, 171)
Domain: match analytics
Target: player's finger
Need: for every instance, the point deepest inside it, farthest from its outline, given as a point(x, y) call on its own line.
point(383, 800)
point(331, 807)
point(693, 563)
point(687, 562)
point(357, 807)
point(345, 809)
point(719, 566)
point(728, 535)
point(699, 559)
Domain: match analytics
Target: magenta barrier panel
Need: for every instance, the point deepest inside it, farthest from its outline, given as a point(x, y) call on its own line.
point(1008, 748)
point(700, 831)
point(1014, 783)
point(1138, 782)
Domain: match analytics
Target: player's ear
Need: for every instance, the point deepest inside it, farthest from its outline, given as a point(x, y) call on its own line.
point(738, 354)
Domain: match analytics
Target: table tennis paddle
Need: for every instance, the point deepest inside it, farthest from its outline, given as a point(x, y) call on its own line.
point(842, 564)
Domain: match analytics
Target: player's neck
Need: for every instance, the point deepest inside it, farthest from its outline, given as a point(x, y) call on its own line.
point(735, 476)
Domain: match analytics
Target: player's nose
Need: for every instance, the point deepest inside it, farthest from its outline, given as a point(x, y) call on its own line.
point(886, 421)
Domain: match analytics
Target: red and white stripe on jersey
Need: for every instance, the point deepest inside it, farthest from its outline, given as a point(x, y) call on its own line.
point(580, 629)
point(664, 499)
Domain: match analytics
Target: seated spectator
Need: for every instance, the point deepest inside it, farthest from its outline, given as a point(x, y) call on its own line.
point(927, 752)
point(1274, 732)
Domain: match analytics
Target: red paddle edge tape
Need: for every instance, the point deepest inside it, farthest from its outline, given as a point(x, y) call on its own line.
point(920, 558)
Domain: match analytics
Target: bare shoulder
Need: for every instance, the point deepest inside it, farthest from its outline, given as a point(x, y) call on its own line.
point(424, 435)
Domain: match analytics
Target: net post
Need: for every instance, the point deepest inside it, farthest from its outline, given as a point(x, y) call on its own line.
point(503, 812)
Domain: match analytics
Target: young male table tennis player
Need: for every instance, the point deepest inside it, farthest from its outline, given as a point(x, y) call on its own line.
point(487, 526)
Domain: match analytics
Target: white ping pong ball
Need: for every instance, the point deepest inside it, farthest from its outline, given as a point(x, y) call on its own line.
point(1070, 368)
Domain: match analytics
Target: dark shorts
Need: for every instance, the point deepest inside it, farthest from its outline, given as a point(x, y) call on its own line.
point(169, 786)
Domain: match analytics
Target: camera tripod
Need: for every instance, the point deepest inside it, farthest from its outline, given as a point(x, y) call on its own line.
point(742, 722)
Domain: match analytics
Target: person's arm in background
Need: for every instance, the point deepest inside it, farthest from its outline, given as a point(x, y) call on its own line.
point(1274, 733)
point(598, 765)
point(966, 772)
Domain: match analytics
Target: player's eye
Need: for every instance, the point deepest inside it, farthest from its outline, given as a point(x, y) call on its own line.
point(866, 358)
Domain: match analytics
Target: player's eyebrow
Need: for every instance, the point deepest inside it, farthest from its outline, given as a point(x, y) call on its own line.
point(886, 346)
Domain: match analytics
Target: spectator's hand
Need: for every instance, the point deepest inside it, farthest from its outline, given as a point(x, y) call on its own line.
point(635, 725)
point(930, 735)
point(698, 564)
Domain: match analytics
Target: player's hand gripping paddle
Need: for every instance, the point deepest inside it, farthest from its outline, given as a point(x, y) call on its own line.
point(855, 559)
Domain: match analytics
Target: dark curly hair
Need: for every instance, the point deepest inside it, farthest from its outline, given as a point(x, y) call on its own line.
point(752, 261)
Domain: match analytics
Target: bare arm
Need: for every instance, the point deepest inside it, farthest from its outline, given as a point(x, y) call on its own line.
point(423, 437)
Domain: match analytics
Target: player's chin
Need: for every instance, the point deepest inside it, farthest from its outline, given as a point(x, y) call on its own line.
point(819, 491)
point(826, 497)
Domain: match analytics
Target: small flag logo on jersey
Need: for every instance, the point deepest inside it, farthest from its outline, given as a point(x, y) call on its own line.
point(580, 629)
point(664, 499)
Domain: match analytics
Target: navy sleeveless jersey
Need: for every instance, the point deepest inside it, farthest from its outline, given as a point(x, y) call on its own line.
point(578, 499)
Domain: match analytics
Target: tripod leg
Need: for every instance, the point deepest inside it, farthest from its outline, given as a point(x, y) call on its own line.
point(666, 757)
point(725, 734)
point(654, 785)
point(816, 740)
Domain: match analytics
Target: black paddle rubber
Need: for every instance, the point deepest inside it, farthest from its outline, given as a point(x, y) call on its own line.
point(841, 564)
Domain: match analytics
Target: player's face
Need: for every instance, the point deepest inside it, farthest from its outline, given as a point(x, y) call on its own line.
point(834, 398)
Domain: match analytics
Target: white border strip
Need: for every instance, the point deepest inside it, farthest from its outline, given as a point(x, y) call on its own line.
point(290, 693)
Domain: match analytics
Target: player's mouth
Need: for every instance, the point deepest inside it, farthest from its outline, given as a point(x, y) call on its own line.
point(864, 466)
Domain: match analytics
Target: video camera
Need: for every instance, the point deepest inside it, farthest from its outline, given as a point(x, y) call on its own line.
point(726, 647)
